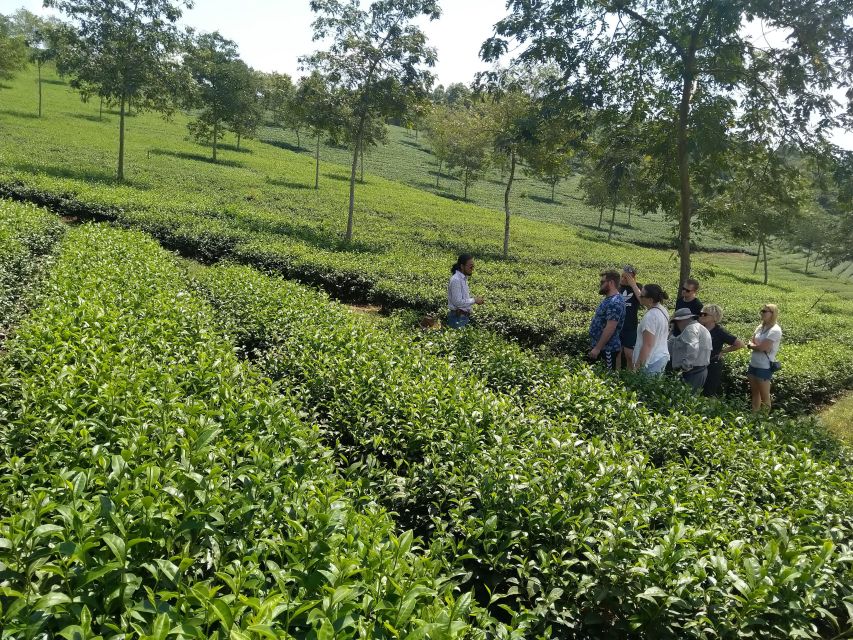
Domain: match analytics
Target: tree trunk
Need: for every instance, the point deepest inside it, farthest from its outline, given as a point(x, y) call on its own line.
point(317, 163)
point(298, 142)
point(808, 257)
point(238, 142)
point(553, 190)
point(215, 136)
point(612, 221)
point(361, 154)
point(506, 201)
point(686, 209)
point(355, 154)
point(39, 68)
point(120, 173)
point(101, 110)
point(757, 259)
point(600, 216)
point(764, 244)
point(466, 184)
point(630, 205)
point(438, 175)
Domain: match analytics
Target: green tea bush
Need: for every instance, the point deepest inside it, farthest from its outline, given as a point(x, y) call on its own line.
point(152, 486)
point(259, 208)
point(27, 236)
point(566, 499)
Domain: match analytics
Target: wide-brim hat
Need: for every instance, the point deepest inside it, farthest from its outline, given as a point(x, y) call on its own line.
point(682, 314)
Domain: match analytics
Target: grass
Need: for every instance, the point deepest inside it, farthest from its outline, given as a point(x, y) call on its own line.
point(258, 206)
point(838, 418)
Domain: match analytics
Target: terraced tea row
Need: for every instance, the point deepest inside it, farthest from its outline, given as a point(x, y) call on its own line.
point(258, 207)
point(152, 486)
point(27, 235)
point(571, 501)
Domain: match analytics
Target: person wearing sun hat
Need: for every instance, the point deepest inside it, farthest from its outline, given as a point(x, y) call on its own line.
point(690, 350)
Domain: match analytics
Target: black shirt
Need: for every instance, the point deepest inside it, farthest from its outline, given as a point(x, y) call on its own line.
point(632, 306)
point(720, 337)
point(694, 305)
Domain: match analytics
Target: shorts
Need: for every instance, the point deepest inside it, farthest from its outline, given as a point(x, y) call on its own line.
point(629, 338)
point(758, 372)
point(655, 368)
point(609, 359)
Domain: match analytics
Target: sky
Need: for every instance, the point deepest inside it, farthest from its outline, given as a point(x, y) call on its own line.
point(273, 34)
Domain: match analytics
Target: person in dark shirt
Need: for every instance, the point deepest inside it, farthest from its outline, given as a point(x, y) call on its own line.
point(687, 300)
point(606, 325)
point(721, 342)
point(630, 290)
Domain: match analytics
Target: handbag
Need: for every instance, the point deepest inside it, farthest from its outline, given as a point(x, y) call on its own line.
point(775, 365)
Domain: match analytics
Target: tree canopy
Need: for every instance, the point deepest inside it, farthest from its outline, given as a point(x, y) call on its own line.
point(377, 59)
point(695, 69)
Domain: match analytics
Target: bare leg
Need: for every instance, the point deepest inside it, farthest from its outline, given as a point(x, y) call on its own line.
point(764, 390)
point(755, 392)
point(628, 354)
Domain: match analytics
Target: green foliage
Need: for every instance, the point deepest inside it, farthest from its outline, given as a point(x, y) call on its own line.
point(375, 62)
point(152, 485)
point(27, 236)
point(260, 208)
point(572, 504)
point(13, 50)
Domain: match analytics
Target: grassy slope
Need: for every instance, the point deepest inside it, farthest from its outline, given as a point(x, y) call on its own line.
point(838, 418)
point(405, 238)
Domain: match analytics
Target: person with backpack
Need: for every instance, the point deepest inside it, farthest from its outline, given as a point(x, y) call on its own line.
point(764, 345)
point(459, 300)
point(651, 352)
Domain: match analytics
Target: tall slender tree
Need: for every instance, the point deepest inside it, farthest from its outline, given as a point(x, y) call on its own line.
point(377, 58)
point(127, 49)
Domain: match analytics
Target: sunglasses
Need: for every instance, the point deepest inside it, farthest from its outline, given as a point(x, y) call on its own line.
point(765, 311)
point(687, 289)
point(704, 314)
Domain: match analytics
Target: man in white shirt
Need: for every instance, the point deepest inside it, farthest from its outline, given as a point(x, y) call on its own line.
point(459, 300)
point(690, 350)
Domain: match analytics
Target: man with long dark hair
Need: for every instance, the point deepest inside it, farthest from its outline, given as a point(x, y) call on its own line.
point(459, 300)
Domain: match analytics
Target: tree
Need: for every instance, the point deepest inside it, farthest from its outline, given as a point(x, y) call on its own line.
point(277, 95)
point(219, 81)
point(321, 113)
point(693, 64)
point(127, 49)
point(762, 197)
point(13, 50)
point(553, 158)
point(439, 130)
point(248, 112)
point(41, 37)
point(470, 139)
point(513, 121)
point(376, 59)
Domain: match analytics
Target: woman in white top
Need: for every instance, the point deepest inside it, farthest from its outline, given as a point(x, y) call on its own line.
point(764, 346)
point(459, 300)
point(651, 352)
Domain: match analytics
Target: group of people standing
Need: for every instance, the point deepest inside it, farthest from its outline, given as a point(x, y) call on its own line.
point(691, 343)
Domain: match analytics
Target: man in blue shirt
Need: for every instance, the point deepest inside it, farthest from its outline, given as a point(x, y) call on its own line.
point(606, 325)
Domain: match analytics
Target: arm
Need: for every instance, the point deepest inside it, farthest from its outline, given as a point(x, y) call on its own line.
point(632, 281)
point(648, 345)
point(609, 330)
point(735, 346)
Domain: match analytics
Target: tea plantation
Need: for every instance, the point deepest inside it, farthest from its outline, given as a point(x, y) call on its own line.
point(212, 452)
point(257, 206)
